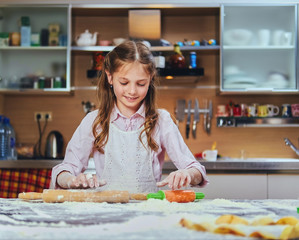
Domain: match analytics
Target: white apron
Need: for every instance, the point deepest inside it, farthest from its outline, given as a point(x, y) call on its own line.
point(128, 165)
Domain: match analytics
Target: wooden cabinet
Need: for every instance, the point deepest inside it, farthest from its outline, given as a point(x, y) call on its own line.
point(21, 66)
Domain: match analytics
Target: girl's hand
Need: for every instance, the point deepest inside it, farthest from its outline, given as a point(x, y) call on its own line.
point(177, 179)
point(67, 180)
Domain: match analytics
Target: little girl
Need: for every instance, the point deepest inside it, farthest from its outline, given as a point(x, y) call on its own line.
point(127, 136)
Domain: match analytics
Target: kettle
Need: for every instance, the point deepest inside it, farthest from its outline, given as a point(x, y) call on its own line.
point(86, 39)
point(54, 145)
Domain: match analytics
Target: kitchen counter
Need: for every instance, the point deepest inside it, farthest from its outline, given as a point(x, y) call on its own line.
point(23, 164)
point(254, 165)
point(261, 165)
point(152, 219)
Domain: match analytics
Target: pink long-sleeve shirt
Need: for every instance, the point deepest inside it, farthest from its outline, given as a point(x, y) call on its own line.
point(166, 135)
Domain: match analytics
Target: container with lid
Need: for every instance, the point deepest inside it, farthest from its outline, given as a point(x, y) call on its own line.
point(4, 39)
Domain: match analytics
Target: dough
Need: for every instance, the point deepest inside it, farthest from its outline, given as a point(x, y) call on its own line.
point(263, 227)
point(202, 227)
point(289, 220)
point(231, 219)
point(263, 235)
point(229, 229)
point(263, 221)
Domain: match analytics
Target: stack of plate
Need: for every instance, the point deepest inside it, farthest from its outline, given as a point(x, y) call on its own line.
point(239, 81)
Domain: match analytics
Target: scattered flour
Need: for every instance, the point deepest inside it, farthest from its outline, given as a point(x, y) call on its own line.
point(151, 219)
point(59, 197)
point(228, 203)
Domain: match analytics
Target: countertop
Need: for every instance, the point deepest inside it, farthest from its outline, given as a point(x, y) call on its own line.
point(254, 165)
point(152, 219)
point(274, 165)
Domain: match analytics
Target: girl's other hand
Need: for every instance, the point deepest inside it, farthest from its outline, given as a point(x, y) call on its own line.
point(176, 180)
point(85, 181)
point(82, 181)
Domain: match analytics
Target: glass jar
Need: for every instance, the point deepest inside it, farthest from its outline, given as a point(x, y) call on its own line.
point(177, 60)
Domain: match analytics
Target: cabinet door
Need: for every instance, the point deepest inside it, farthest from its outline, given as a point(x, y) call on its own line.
point(20, 66)
point(283, 186)
point(259, 48)
point(236, 186)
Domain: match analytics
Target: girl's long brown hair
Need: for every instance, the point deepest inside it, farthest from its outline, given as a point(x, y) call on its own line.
point(127, 52)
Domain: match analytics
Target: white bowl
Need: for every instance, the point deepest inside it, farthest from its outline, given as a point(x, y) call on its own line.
point(117, 41)
point(237, 37)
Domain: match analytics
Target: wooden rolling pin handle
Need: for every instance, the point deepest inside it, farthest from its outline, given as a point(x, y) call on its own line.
point(138, 196)
point(30, 196)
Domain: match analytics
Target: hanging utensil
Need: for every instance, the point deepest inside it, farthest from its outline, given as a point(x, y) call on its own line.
point(180, 111)
point(210, 115)
point(205, 115)
point(188, 119)
point(195, 118)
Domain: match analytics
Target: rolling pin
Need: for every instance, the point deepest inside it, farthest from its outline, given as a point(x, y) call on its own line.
point(180, 196)
point(59, 196)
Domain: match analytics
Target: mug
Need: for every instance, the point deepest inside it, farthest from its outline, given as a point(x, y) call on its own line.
point(272, 110)
point(264, 37)
point(277, 37)
point(295, 110)
point(237, 110)
point(286, 39)
point(286, 110)
point(210, 155)
point(221, 111)
point(262, 111)
point(252, 111)
point(244, 112)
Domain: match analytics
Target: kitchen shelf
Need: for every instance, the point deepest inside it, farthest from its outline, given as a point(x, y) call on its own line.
point(93, 48)
point(161, 72)
point(153, 49)
point(51, 48)
point(255, 47)
point(180, 72)
point(257, 122)
point(28, 91)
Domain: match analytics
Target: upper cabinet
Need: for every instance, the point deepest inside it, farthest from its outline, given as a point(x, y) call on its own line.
point(34, 53)
point(259, 48)
point(255, 44)
point(191, 26)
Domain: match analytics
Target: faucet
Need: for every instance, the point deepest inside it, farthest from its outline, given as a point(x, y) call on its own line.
point(289, 143)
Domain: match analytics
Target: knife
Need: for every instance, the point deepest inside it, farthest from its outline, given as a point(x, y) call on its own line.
point(180, 111)
point(195, 118)
point(210, 114)
point(188, 119)
point(205, 115)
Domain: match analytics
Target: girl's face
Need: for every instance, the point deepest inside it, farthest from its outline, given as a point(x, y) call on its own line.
point(130, 85)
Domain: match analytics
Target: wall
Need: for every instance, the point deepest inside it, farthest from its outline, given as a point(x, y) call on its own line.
point(68, 111)
point(1, 104)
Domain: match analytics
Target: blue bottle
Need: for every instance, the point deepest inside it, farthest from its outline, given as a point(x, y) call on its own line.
point(11, 152)
point(3, 140)
point(193, 60)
